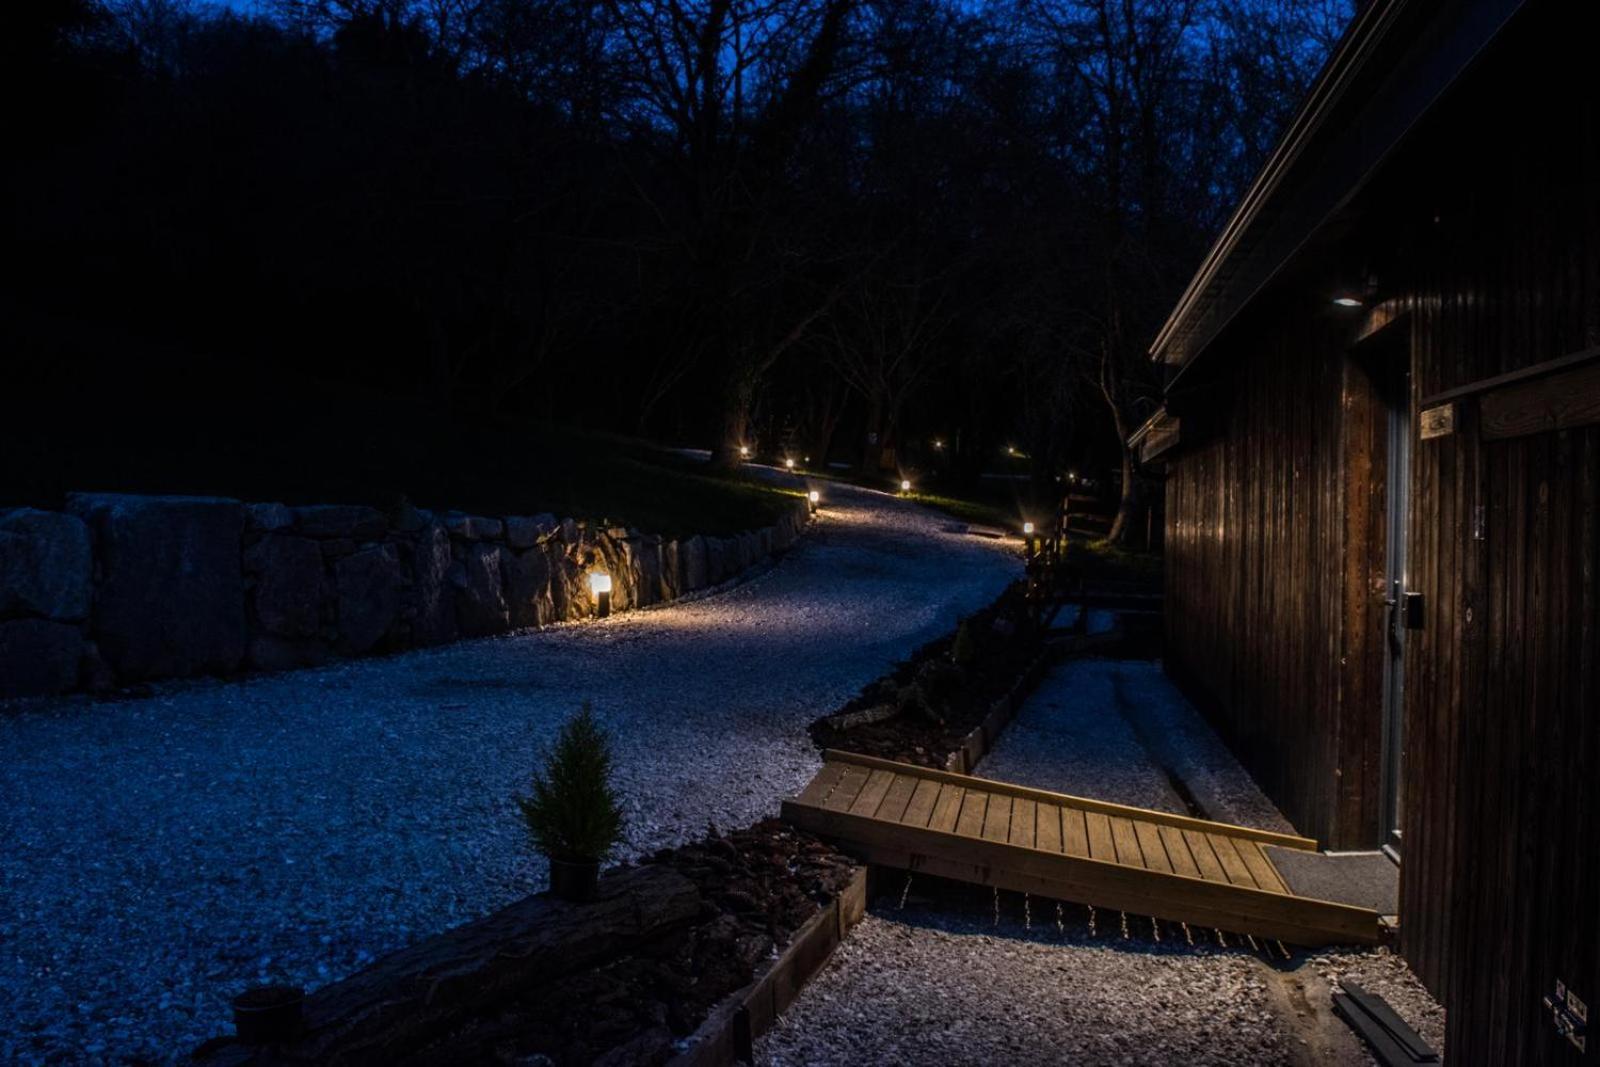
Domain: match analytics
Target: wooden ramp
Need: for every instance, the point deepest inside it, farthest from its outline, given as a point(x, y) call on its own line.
point(1207, 874)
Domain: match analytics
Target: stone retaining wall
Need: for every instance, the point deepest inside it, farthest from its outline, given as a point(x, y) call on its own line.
point(120, 589)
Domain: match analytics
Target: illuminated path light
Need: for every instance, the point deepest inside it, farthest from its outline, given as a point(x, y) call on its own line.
point(600, 587)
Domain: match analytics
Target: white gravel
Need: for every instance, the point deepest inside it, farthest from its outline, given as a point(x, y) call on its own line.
point(941, 982)
point(945, 985)
point(1106, 728)
point(158, 855)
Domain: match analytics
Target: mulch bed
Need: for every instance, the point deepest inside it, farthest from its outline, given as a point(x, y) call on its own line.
point(757, 887)
point(931, 703)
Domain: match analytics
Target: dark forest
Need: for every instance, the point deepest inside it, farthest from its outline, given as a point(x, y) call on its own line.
point(899, 234)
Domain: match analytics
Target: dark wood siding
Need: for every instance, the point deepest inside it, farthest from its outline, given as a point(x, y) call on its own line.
point(1500, 895)
point(1485, 235)
point(1259, 602)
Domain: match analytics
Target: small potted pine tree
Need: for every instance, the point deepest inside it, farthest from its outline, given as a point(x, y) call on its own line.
point(572, 814)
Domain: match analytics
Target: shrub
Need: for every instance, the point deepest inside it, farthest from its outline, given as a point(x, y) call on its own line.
point(573, 812)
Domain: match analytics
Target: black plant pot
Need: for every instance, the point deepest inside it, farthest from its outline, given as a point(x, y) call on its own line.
point(268, 1014)
point(574, 879)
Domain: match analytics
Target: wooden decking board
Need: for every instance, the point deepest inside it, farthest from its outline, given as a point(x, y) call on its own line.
point(947, 808)
point(1232, 865)
point(1178, 852)
point(1074, 833)
point(1204, 856)
point(847, 788)
point(997, 819)
point(1023, 816)
point(897, 798)
point(920, 810)
point(1145, 863)
point(1155, 852)
point(1261, 868)
point(974, 806)
point(1129, 854)
point(1099, 836)
point(872, 794)
point(1047, 828)
point(817, 790)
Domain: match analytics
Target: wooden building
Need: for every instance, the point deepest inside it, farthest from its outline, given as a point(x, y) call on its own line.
point(1382, 444)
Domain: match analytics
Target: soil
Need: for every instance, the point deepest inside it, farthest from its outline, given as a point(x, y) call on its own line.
point(758, 886)
point(937, 700)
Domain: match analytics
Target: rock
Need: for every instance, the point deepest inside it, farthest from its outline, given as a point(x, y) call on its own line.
point(568, 597)
point(474, 527)
point(527, 586)
point(94, 673)
point(432, 595)
point(525, 531)
point(644, 556)
point(671, 571)
point(692, 556)
point(480, 599)
point(267, 518)
point(269, 653)
point(46, 565)
point(370, 595)
point(288, 584)
point(408, 519)
point(348, 521)
point(38, 657)
point(171, 599)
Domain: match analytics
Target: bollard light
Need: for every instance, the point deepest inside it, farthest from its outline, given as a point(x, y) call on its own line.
point(600, 586)
point(814, 498)
point(789, 463)
point(744, 451)
point(1027, 532)
point(1027, 529)
point(905, 485)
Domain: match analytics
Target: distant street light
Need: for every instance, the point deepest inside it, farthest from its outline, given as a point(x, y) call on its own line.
point(1027, 532)
point(600, 586)
point(814, 498)
point(744, 451)
point(789, 463)
point(905, 485)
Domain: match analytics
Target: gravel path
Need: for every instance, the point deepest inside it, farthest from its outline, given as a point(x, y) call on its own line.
point(160, 854)
point(964, 975)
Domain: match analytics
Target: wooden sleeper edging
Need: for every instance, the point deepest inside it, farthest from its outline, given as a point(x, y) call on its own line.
point(729, 1033)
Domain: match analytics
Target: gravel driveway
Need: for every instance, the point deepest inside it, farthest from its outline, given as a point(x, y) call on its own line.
point(159, 854)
